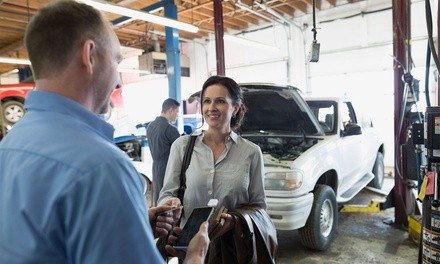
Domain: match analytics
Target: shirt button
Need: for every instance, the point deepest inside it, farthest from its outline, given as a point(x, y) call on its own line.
point(209, 192)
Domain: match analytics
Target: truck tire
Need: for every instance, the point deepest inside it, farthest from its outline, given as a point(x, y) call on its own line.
point(378, 171)
point(12, 111)
point(320, 228)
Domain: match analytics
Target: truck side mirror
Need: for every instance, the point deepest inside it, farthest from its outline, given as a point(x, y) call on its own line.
point(352, 129)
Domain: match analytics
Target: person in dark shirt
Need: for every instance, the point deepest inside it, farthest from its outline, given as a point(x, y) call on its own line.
point(161, 134)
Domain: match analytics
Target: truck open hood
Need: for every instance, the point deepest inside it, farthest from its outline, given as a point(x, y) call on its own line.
point(286, 114)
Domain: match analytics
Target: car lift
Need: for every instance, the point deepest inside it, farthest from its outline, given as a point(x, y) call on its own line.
point(375, 206)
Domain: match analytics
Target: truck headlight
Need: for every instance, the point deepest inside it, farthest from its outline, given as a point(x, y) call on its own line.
point(283, 180)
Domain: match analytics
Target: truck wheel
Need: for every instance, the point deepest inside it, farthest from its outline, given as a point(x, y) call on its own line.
point(378, 171)
point(13, 111)
point(320, 228)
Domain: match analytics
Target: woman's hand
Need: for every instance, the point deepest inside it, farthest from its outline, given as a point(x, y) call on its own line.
point(227, 222)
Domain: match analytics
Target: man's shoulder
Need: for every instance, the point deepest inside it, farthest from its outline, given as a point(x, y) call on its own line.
point(154, 122)
point(158, 122)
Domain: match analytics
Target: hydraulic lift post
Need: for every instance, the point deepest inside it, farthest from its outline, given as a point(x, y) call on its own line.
point(401, 53)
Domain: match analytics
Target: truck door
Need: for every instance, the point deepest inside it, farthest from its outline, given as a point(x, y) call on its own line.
point(351, 145)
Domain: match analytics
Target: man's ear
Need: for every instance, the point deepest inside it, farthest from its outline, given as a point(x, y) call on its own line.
point(88, 55)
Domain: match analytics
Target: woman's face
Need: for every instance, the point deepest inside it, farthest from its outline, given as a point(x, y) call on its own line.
point(217, 107)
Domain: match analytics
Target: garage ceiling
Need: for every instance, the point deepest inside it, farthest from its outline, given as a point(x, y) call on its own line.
point(238, 15)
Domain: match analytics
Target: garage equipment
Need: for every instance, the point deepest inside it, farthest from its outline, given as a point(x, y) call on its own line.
point(429, 251)
point(377, 204)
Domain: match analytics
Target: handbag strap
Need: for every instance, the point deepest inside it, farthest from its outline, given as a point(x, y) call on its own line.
point(185, 164)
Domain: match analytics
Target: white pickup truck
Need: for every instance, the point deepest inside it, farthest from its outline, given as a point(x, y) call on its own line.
point(318, 152)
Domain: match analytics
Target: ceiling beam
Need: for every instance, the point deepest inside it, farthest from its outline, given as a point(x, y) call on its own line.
point(12, 48)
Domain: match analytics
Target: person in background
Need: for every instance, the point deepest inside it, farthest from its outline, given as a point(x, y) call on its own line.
point(161, 133)
point(229, 168)
point(68, 194)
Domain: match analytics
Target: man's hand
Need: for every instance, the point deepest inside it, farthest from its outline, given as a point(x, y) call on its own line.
point(163, 217)
point(197, 248)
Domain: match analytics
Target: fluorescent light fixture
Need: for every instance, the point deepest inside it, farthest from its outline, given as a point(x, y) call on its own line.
point(124, 11)
point(123, 22)
point(248, 42)
point(14, 61)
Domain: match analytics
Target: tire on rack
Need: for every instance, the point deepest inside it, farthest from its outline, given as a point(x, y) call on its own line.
point(320, 228)
point(378, 171)
point(13, 111)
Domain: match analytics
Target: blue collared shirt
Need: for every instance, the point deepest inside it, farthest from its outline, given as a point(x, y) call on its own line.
point(67, 193)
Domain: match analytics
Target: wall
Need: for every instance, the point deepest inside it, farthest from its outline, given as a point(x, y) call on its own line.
point(356, 58)
point(357, 61)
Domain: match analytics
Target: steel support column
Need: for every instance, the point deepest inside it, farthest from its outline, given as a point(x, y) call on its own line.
point(401, 52)
point(173, 54)
point(219, 44)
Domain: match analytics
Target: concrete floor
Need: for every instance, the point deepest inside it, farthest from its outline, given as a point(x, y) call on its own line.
point(361, 238)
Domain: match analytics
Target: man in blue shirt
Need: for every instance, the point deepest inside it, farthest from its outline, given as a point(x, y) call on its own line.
point(67, 193)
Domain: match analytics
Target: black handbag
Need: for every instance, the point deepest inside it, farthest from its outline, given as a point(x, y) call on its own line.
point(163, 240)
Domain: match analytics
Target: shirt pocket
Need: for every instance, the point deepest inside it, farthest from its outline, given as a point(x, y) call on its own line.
point(233, 177)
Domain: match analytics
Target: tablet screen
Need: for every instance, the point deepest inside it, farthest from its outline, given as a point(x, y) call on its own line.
point(192, 226)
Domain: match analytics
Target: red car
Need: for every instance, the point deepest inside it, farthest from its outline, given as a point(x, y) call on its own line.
point(12, 98)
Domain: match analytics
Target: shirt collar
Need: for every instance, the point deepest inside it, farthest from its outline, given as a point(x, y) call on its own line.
point(52, 102)
point(232, 136)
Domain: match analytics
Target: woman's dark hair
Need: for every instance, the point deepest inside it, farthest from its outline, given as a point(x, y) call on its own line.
point(234, 92)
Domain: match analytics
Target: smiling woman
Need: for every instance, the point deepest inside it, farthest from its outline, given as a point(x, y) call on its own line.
point(226, 167)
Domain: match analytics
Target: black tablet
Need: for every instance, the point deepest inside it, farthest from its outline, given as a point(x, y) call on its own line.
point(192, 226)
